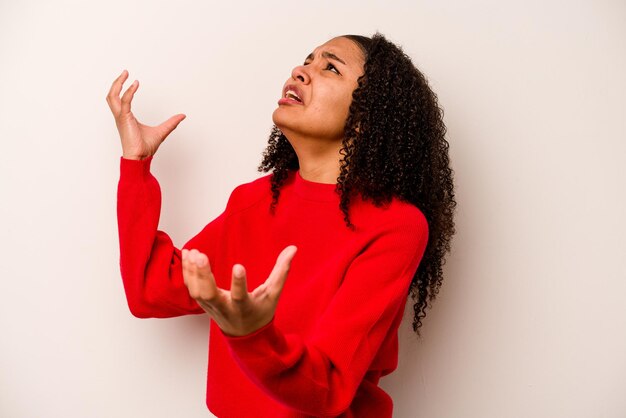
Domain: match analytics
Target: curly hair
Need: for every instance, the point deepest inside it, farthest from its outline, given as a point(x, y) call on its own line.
point(394, 145)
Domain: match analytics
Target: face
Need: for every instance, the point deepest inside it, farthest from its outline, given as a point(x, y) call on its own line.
point(316, 98)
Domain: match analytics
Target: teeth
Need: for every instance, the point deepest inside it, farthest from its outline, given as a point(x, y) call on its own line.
point(290, 94)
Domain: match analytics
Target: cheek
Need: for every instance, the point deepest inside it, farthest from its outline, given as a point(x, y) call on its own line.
point(333, 117)
point(337, 106)
point(342, 108)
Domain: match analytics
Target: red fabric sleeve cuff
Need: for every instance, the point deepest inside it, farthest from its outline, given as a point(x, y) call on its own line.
point(135, 168)
point(264, 340)
point(260, 354)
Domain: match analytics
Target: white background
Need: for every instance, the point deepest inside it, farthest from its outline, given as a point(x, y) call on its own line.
point(531, 318)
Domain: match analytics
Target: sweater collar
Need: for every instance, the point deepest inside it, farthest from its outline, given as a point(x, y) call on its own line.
point(311, 190)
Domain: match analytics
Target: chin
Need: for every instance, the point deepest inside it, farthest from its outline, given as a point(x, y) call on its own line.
point(274, 116)
point(281, 120)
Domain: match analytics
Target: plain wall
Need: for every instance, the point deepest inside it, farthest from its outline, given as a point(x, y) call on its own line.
point(531, 318)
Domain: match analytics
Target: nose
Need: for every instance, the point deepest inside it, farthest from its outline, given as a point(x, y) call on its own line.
point(300, 73)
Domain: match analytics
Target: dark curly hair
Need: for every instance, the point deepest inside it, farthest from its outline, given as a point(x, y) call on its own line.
point(393, 145)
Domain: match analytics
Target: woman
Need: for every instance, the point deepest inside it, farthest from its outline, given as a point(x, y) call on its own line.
point(360, 187)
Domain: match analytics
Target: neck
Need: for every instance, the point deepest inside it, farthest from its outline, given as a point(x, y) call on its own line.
point(319, 160)
point(319, 170)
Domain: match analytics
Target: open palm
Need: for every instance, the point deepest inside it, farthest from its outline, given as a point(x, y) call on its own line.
point(237, 312)
point(139, 141)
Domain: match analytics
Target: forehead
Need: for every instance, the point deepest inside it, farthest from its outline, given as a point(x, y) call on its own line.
point(345, 49)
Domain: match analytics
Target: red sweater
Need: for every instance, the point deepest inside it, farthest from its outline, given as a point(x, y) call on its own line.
point(334, 332)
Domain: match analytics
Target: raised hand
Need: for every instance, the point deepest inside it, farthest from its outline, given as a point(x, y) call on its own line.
point(139, 141)
point(237, 312)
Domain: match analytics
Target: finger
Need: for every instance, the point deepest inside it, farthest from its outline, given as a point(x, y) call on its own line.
point(169, 125)
point(189, 257)
point(190, 270)
point(238, 285)
point(186, 265)
point(198, 277)
point(127, 98)
point(200, 259)
point(278, 276)
point(200, 286)
point(113, 98)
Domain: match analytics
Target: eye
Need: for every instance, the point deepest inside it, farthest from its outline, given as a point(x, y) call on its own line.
point(332, 68)
point(329, 67)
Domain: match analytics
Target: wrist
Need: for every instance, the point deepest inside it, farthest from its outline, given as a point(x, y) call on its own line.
point(248, 333)
point(134, 157)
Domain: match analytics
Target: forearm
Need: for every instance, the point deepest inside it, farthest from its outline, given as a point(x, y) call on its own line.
point(150, 265)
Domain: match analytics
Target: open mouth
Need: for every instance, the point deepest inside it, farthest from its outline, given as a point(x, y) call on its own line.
point(292, 93)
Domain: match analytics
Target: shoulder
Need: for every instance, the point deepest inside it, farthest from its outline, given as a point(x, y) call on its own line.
point(398, 224)
point(406, 213)
point(395, 214)
point(250, 193)
point(408, 219)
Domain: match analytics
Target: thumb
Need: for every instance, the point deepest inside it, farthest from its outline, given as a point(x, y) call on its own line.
point(286, 256)
point(169, 125)
point(279, 273)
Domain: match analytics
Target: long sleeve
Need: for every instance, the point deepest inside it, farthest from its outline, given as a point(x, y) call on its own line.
point(319, 375)
point(150, 265)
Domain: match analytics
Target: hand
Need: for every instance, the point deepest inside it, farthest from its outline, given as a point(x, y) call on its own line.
point(236, 312)
point(139, 141)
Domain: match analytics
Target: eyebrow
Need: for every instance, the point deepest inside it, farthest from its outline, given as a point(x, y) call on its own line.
point(328, 55)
